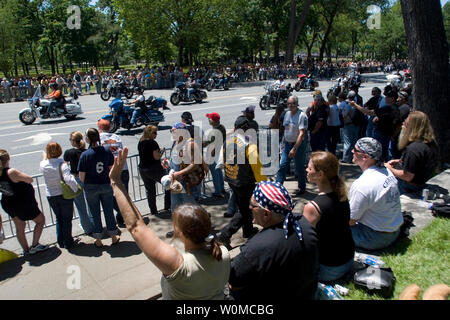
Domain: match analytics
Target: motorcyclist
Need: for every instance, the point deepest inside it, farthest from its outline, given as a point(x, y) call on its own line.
point(57, 100)
point(190, 85)
point(280, 85)
point(139, 106)
point(308, 80)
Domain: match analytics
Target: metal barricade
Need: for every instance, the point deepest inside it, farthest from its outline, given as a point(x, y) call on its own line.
point(136, 190)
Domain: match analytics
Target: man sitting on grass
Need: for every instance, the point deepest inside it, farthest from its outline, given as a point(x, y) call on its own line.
point(376, 216)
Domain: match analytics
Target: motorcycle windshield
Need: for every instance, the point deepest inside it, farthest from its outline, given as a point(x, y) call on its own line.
point(37, 94)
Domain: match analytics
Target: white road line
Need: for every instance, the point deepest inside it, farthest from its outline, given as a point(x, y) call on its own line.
point(24, 154)
point(47, 129)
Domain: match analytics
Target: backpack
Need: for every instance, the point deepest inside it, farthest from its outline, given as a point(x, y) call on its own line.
point(357, 117)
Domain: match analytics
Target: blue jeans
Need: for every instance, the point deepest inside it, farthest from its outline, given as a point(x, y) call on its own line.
point(96, 194)
point(370, 127)
point(394, 153)
point(136, 113)
point(232, 204)
point(384, 140)
point(86, 221)
point(177, 199)
point(405, 187)
point(63, 209)
point(125, 178)
point(299, 160)
point(350, 138)
point(217, 176)
point(369, 239)
point(329, 274)
point(189, 92)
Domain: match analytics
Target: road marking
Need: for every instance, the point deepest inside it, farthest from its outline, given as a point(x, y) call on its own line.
point(24, 154)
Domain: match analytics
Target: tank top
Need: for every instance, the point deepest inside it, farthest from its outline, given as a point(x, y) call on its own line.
point(23, 193)
point(336, 245)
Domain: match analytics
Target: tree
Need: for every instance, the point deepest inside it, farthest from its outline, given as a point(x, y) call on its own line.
point(428, 53)
point(295, 27)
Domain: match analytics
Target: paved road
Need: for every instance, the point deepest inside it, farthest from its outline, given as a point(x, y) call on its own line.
point(26, 143)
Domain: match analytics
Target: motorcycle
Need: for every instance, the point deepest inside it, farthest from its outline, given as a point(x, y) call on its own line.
point(217, 83)
point(180, 94)
point(338, 87)
point(274, 96)
point(120, 114)
point(114, 88)
point(303, 83)
point(37, 108)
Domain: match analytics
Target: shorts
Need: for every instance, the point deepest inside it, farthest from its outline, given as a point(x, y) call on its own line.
point(23, 212)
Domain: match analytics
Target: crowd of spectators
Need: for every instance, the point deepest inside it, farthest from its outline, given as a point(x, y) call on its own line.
point(94, 81)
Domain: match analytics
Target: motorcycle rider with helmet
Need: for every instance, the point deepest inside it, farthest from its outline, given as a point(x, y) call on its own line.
point(139, 106)
point(57, 100)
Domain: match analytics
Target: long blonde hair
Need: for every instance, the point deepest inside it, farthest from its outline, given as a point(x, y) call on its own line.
point(329, 164)
point(419, 129)
point(148, 133)
point(4, 157)
point(77, 137)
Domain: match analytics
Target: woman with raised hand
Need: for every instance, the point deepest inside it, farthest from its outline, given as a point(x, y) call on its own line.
point(329, 213)
point(199, 273)
point(20, 204)
point(93, 168)
point(54, 169)
point(72, 157)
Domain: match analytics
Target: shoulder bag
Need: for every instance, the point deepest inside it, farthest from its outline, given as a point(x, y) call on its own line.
point(68, 193)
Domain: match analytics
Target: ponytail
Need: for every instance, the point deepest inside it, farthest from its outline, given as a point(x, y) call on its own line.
point(215, 250)
point(339, 187)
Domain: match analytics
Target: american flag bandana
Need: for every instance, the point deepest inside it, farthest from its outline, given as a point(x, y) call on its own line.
point(273, 196)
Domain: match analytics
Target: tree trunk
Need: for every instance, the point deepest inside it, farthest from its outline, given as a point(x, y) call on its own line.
point(30, 45)
point(295, 28)
point(428, 54)
point(327, 33)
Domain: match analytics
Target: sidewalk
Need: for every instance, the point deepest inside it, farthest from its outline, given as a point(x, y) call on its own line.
point(122, 272)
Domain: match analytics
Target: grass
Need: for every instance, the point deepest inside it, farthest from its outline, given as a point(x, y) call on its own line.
point(423, 260)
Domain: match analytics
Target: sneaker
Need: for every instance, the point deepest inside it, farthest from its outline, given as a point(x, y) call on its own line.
point(38, 248)
point(225, 241)
point(228, 215)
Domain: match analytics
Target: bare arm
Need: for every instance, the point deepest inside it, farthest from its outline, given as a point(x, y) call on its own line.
point(163, 255)
point(311, 214)
point(363, 110)
point(18, 176)
point(82, 175)
point(399, 173)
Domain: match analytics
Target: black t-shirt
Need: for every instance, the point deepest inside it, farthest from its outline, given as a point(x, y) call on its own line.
point(387, 117)
point(73, 156)
point(273, 268)
point(146, 149)
point(421, 159)
point(320, 114)
point(336, 245)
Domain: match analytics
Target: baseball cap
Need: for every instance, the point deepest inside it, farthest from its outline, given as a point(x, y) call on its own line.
point(187, 116)
point(103, 124)
point(214, 116)
point(371, 147)
point(249, 109)
point(241, 123)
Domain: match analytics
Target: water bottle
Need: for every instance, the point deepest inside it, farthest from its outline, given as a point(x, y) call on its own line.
point(369, 260)
point(328, 293)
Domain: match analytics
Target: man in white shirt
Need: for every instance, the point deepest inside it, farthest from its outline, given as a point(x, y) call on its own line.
point(139, 106)
point(375, 216)
point(294, 144)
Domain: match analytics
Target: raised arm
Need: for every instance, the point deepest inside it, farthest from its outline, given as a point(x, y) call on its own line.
point(163, 255)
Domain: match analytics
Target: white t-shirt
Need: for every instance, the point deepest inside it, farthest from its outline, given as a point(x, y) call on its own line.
point(293, 125)
point(333, 116)
point(375, 200)
point(52, 177)
point(200, 277)
point(112, 142)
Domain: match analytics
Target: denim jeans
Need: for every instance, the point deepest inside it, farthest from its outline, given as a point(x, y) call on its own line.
point(394, 153)
point(370, 127)
point(350, 138)
point(369, 239)
point(177, 199)
point(63, 209)
point(329, 274)
point(384, 140)
point(97, 194)
point(125, 178)
point(232, 207)
point(136, 113)
point(333, 137)
point(299, 160)
point(405, 187)
point(86, 221)
point(217, 176)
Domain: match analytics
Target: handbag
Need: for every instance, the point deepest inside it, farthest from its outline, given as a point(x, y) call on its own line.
point(68, 193)
point(375, 280)
point(5, 189)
